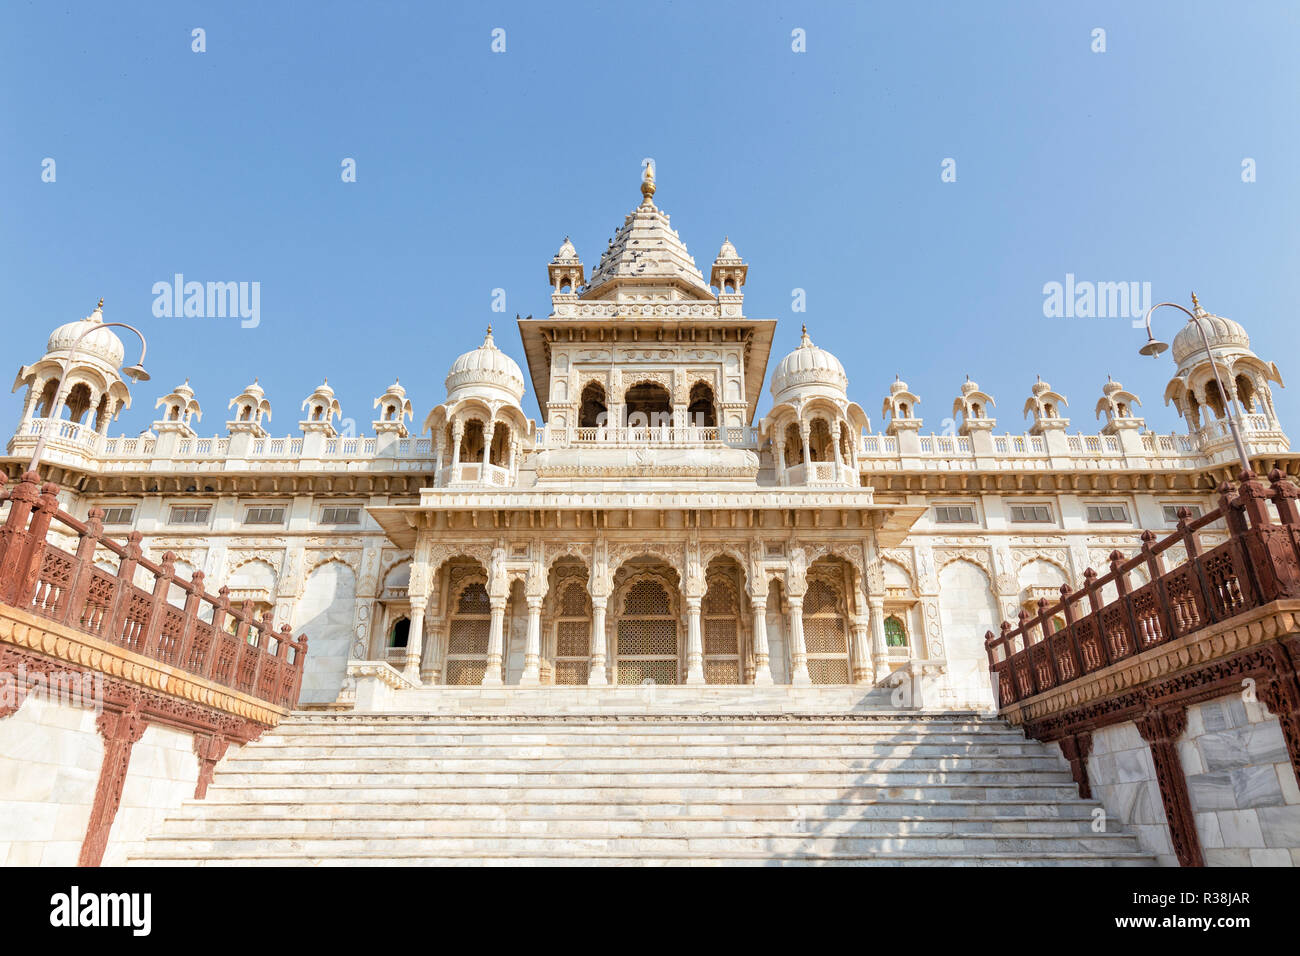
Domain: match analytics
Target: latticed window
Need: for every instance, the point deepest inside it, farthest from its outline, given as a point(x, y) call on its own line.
point(572, 634)
point(825, 632)
point(720, 612)
point(895, 632)
point(467, 642)
point(647, 635)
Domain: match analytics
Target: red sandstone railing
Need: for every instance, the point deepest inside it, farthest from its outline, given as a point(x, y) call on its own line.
point(169, 619)
point(1258, 564)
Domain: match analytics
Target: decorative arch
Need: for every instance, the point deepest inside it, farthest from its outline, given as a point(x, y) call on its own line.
point(648, 628)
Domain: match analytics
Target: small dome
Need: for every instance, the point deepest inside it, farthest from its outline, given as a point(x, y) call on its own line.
point(1111, 387)
point(487, 365)
point(102, 343)
point(566, 250)
point(1039, 387)
point(897, 386)
point(728, 251)
point(968, 386)
point(1222, 333)
point(808, 365)
point(254, 391)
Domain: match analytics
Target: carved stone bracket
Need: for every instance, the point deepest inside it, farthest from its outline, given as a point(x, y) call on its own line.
point(120, 731)
point(209, 748)
point(1077, 748)
point(1160, 728)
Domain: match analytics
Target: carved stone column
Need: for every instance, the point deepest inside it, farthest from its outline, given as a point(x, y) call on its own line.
point(879, 647)
point(694, 642)
point(860, 659)
point(432, 672)
point(415, 640)
point(762, 656)
point(798, 651)
point(1161, 728)
point(599, 652)
point(531, 676)
point(120, 732)
point(496, 630)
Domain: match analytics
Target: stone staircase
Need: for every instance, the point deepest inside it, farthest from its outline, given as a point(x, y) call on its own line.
point(857, 788)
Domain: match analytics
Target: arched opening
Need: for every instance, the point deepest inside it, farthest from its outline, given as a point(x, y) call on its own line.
point(976, 411)
point(566, 285)
point(1193, 412)
point(47, 399)
point(720, 622)
point(467, 638)
point(903, 410)
point(593, 412)
point(500, 445)
point(572, 632)
point(317, 413)
point(648, 404)
point(399, 633)
point(471, 442)
point(895, 632)
point(1245, 392)
point(102, 414)
point(793, 447)
point(846, 443)
point(175, 414)
point(701, 411)
point(646, 642)
point(825, 624)
point(1214, 398)
point(79, 401)
point(821, 447)
point(1049, 410)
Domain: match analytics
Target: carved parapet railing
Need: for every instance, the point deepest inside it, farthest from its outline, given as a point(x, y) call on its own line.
point(1224, 621)
point(133, 641)
point(138, 605)
point(1258, 564)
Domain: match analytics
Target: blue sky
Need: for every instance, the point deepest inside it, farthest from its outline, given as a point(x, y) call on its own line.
point(823, 167)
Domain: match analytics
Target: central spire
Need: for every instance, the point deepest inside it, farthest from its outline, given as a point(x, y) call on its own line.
point(648, 183)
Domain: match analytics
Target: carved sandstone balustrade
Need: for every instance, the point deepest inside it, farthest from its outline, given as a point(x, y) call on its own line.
point(198, 632)
point(1225, 621)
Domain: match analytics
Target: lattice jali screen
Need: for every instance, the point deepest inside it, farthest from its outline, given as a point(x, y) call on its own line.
point(647, 638)
point(721, 636)
point(646, 597)
point(573, 603)
point(465, 673)
point(570, 672)
point(468, 636)
point(474, 600)
point(721, 671)
point(827, 670)
point(572, 639)
point(825, 635)
point(637, 672)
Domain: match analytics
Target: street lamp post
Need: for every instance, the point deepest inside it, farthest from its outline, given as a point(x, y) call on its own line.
point(135, 372)
point(1154, 347)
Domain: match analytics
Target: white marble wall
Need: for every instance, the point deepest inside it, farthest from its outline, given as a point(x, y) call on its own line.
point(1241, 784)
point(1239, 779)
point(50, 756)
point(1123, 778)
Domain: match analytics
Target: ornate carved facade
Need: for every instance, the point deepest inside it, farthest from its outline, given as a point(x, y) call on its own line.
point(653, 526)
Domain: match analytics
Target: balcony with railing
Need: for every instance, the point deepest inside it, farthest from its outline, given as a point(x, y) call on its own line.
point(109, 591)
point(633, 436)
point(1079, 635)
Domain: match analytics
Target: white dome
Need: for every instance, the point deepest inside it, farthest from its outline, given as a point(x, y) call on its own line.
point(487, 365)
point(1222, 333)
point(101, 344)
point(808, 366)
point(567, 251)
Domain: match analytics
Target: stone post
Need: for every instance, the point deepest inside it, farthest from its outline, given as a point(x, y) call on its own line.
point(879, 649)
point(762, 657)
point(492, 675)
point(798, 651)
point(860, 660)
point(415, 641)
point(596, 675)
point(694, 642)
point(531, 676)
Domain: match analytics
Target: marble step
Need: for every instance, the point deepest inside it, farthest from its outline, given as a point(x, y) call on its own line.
point(434, 792)
point(353, 824)
point(274, 749)
point(576, 762)
point(718, 844)
point(273, 775)
point(214, 807)
point(516, 737)
point(756, 858)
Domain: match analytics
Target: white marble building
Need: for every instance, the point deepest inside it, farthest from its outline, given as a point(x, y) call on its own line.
point(652, 526)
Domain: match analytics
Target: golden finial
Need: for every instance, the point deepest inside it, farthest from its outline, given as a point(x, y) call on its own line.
point(101, 303)
point(648, 181)
point(1195, 302)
